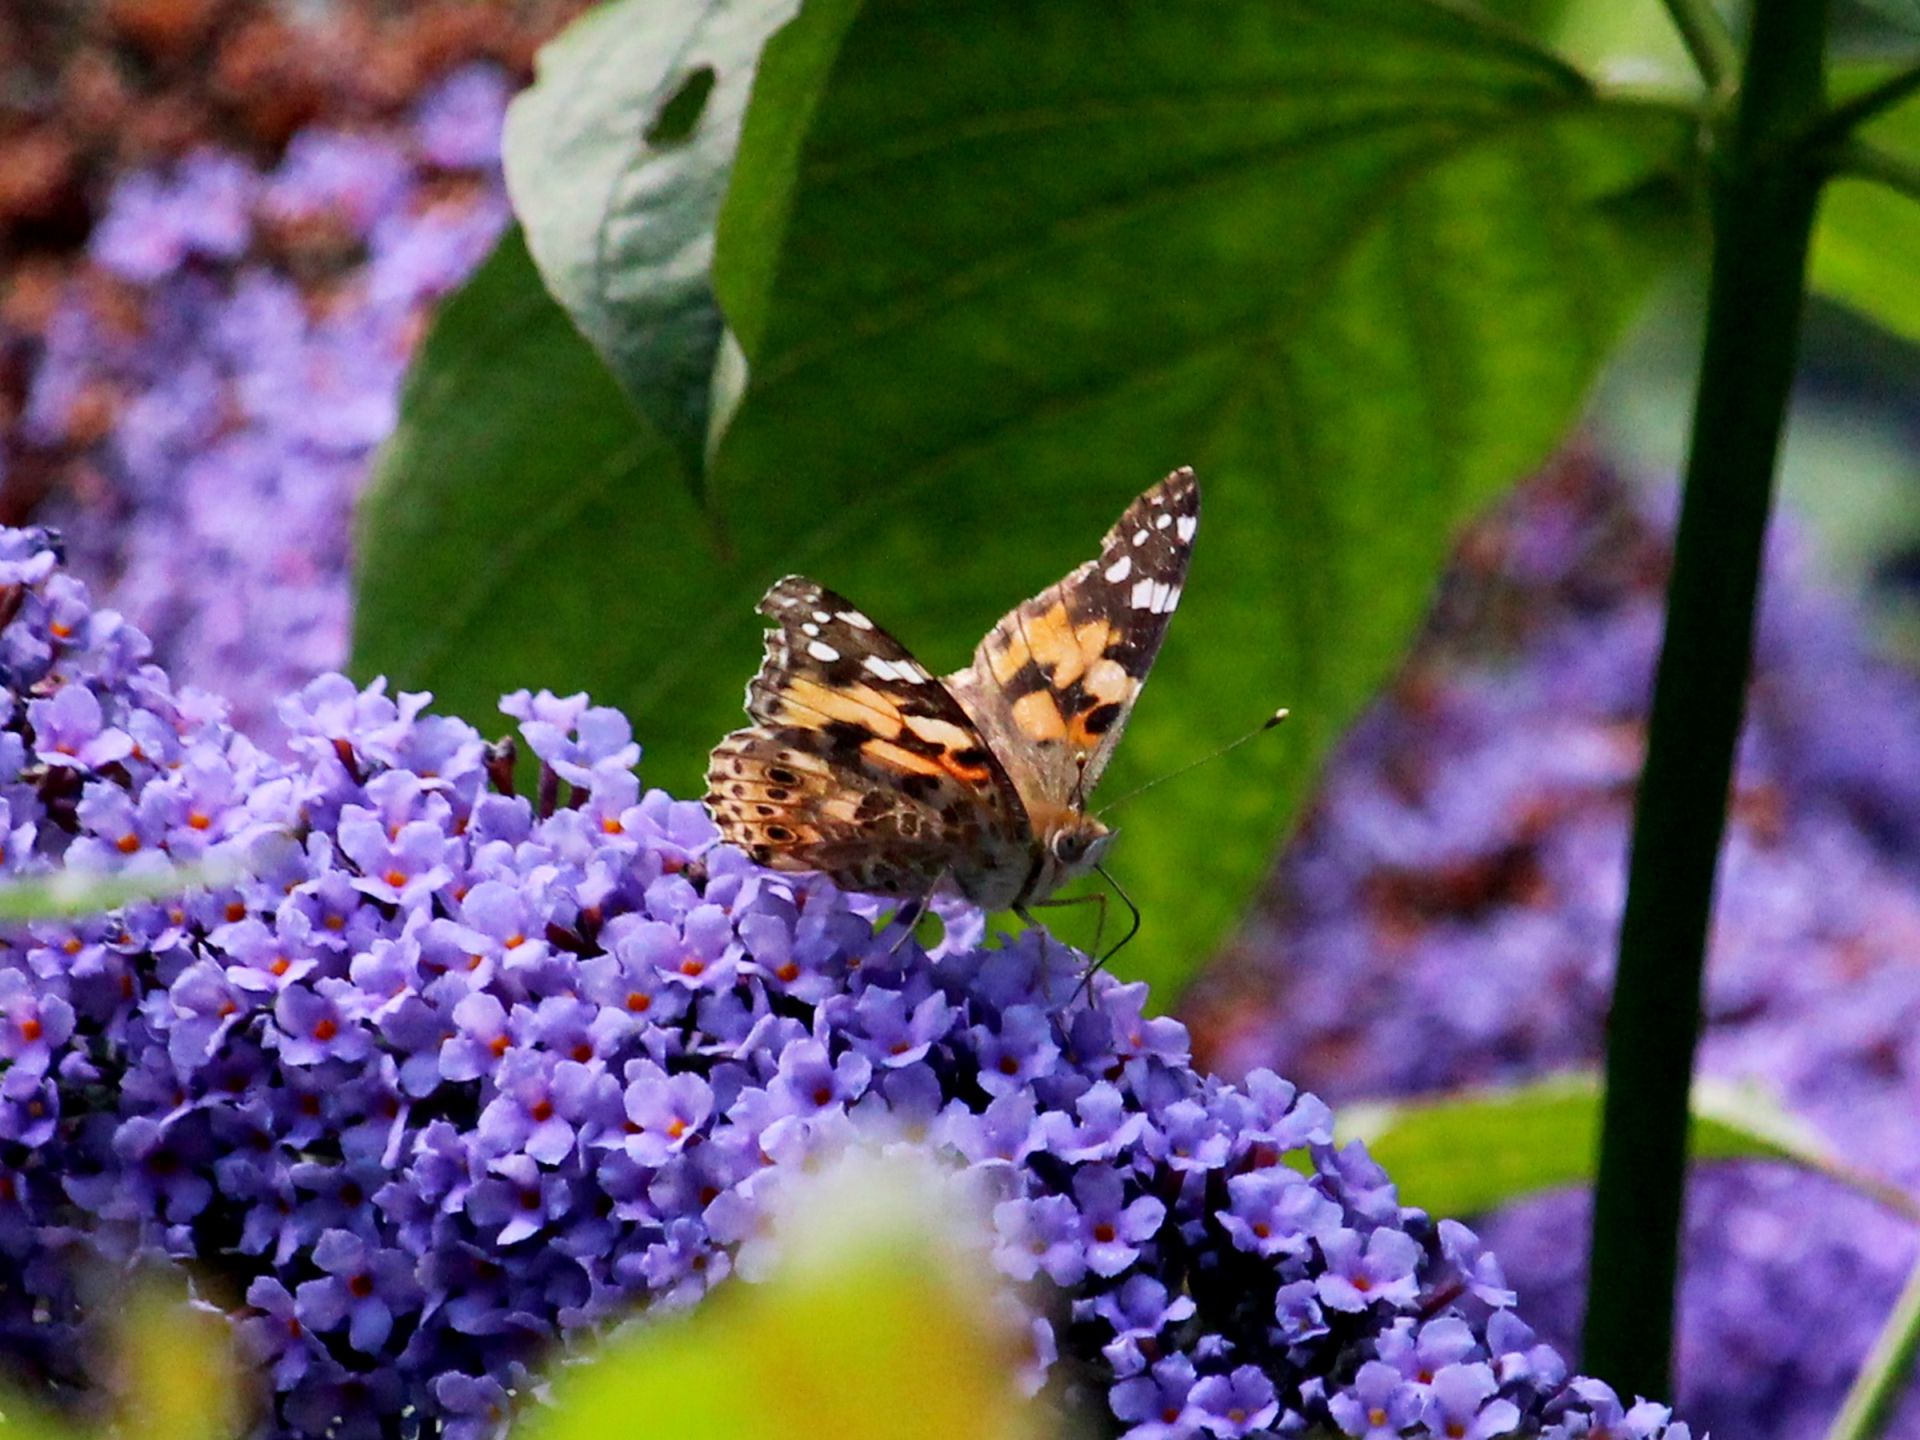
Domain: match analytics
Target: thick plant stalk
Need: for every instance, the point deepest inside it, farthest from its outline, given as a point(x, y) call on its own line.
point(1764, 192)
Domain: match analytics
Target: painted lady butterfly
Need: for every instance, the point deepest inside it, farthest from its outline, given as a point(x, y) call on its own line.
point(864, 767)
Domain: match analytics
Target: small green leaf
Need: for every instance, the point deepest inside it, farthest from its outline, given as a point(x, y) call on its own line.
point(65, 894)
point(1866, 251)
point(1473, 1151)
point(617, 160)
point(872, 1330)
point(1356, 262)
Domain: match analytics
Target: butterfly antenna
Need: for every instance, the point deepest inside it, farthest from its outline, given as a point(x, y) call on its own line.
point(1133, 929)
point(1269, 723)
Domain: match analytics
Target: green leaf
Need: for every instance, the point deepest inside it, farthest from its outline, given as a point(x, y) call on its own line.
point(1629, 42)
point(617, 160)
point(64, 894)
point(1866, 250)
point(524, 527)
point(1903, 13)
point(872, 1330)
point(1473, 1151)
point(1357, 262)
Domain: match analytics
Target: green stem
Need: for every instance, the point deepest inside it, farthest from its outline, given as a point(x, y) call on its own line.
point(1870, 162)
point(1841, 121)
point(1764, 193)
point(1707, 39)
point(1885, 1373)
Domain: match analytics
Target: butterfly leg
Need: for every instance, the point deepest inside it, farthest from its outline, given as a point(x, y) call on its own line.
point(1133, 929)
point(1097, 899)
point(910, 913)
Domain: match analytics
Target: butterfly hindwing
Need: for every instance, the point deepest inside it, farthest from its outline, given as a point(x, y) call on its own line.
point(860, 764)
point(1052, 686)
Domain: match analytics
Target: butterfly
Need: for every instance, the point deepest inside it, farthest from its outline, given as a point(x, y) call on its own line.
point(864, 767)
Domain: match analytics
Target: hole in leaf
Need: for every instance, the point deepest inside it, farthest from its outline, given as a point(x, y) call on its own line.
point(681, 111)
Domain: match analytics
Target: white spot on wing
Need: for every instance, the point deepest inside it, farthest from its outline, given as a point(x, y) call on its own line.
point(821, 616)
point(1186, 525)
point(809, 628)
point(856, 619)
point(1142, 598)
point(902, 670)
point(1120, 569)
point(1162, 521)
point(820, 650)
point(1139, 537)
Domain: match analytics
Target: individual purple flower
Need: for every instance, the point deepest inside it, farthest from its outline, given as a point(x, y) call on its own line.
point(573, 737)
point(1234, 1404)
point(664, 1112)
point(362, 1287)
point(540, 1105)
point(34, 1024)
point(70, 731)
point(1115, 1226)
point(1380, 1405)
point(204, 1006)
point(1376, 1269)
point(482, 1038)
point(1043, 1235)
point(810, 1080)
point(1159, 1406)
point(315, 1026)
point(260, 959)
point(518, 1199)
point(1101, 1127)
point(1191, 1137)
point(471, 1407)
point(1020, 1050)
point(1275, 1212)
point(274, 1336)
point(1461, 1403)
point(897, 1033)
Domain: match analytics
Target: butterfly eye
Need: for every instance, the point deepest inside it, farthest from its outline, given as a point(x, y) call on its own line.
point(1069, 846)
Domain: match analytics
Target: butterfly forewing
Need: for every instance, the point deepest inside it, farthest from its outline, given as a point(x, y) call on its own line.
point(1052, 686)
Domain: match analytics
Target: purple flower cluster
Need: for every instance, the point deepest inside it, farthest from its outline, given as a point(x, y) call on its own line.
point(453, 1074)
point(1449, 918)
point(220, 379)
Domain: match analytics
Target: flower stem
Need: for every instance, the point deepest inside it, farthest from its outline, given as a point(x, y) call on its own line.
point(1707, 39)
point(1886, 1372)
point(1764, 192)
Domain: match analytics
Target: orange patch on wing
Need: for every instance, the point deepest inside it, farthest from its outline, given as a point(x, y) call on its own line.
point(896, 757)
point(1038, 716)
point(1053, 642)
point(857, 705)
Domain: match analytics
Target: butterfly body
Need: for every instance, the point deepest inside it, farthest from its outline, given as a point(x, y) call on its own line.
point(864, 766)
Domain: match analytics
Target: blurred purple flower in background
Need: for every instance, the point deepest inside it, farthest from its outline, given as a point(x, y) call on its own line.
point(233, 363)
point(423, 1164)
point(1449, 914)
